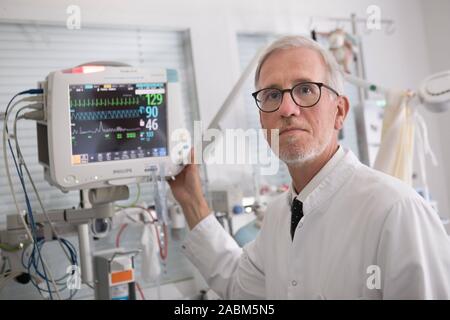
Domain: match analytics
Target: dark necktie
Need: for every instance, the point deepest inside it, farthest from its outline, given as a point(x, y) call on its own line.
point(296, 215)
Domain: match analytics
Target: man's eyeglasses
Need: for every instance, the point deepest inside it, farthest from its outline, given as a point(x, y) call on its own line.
point(304, 94)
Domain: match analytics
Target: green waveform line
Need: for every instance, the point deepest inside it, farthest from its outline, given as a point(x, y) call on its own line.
point(104, 102)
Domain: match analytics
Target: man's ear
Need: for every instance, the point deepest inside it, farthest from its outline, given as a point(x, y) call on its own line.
point(342, 110)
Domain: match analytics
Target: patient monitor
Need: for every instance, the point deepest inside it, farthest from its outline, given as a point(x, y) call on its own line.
point(101, 127)
point(111, 125)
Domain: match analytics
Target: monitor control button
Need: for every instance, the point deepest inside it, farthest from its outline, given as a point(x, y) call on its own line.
point(70, 179)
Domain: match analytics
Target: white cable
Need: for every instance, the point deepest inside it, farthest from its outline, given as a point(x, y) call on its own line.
point(9, 276)
point(52, 279)
point(8, 173)
point(160, 195)
point(21, 160)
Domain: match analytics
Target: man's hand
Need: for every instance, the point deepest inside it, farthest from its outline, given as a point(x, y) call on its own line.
point(187, 190)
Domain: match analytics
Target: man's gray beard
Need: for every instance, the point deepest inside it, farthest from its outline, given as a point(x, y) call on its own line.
point(301, 158)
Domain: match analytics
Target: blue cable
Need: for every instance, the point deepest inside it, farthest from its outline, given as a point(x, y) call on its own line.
point(19, 172)
point(68, 245)
point(32, 222)
point(30, 214)
point(30, 91)
point(41, 242)
point(37, 243)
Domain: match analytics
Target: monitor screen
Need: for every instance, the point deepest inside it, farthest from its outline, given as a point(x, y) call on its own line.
point(117, 121)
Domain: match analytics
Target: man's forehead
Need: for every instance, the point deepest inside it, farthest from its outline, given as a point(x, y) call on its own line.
point(292, 65)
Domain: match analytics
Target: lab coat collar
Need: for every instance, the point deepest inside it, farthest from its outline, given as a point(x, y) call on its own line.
point(317, 179)
point(325, 183)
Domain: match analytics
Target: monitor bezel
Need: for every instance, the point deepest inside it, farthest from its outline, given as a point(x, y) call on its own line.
point(68, 176)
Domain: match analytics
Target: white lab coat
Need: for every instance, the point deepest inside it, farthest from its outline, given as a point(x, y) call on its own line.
point(364, 235)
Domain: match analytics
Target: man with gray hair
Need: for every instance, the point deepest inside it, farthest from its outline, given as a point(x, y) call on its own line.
point(343, 230)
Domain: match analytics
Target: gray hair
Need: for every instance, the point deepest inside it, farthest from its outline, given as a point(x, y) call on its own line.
point(335, 77)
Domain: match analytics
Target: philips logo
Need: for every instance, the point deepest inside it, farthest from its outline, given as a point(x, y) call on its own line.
point(129, 170)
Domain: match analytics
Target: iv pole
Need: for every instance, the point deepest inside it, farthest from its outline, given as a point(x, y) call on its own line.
point(362, 95)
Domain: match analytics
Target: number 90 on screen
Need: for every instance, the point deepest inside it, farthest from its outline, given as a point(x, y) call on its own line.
point(149, 111)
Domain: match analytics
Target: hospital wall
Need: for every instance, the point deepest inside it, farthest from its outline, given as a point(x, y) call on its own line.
point(437, 26)
point(401, 59)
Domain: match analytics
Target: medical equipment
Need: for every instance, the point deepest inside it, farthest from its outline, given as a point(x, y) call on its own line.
point(110, 126)
point(178, 221)
point(115, 275)
point(225, 203)
point(435, 92)
point(99, 128)
point(226, 200)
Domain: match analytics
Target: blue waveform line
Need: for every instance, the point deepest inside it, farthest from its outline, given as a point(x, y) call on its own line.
point(105, 115)
point(101, 129)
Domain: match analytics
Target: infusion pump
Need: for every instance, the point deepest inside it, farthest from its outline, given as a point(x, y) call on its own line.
point(111, 125)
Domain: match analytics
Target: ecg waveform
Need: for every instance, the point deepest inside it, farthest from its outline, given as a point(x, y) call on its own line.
point(105, 102)
point(105, 115)
point(101, 129)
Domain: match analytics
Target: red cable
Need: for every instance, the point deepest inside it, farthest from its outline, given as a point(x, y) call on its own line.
point(122, 228)
point(153, 219)
point(162, 251)
point(141, 293)
point(166, 243)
